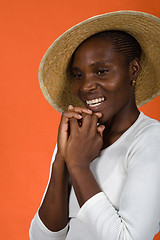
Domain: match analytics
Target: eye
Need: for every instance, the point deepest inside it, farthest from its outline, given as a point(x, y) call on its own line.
point(102, 72)
point(77, 75)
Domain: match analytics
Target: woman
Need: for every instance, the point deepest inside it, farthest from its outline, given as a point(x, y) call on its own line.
point(107, 148)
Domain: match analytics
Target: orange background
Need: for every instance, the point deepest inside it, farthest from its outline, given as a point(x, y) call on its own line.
point(28, 122)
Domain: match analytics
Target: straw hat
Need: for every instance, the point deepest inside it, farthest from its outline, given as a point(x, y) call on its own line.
point(54, 81)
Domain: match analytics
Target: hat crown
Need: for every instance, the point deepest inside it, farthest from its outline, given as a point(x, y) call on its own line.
point(54, 80)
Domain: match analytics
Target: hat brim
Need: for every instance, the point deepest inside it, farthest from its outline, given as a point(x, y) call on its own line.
point(53, 78)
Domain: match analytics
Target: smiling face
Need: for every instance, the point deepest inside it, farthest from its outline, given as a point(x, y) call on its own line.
point(102, 78)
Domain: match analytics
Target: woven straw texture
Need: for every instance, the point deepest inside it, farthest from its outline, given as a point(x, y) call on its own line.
point(54, 81)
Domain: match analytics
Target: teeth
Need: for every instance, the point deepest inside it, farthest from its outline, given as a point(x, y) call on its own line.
point(95, 102)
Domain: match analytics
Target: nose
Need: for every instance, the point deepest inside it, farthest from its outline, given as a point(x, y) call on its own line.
point(88, 85)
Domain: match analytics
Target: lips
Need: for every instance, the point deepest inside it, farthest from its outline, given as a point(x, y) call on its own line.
point(95, 103)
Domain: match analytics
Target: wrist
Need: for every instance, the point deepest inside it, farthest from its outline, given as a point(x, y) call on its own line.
point(59, 166)
point(76, 169)
point(59, 157)
point(75, 163)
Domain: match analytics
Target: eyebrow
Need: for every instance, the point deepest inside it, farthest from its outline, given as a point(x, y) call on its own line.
point(100, 62)
point(75, 69)
point(93, 64)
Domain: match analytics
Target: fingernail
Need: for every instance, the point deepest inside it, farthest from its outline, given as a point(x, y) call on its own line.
point(89, 111)
point(103, 127)
point(80, 116)
point(98, 114)
point(70, 107)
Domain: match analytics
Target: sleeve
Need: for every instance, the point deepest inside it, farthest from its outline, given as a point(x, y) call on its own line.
point(138, 215)
point(38, 231)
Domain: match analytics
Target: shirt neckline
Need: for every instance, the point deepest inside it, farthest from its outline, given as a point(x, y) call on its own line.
point(125, 133)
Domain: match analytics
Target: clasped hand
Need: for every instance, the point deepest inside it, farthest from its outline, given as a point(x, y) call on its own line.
point(80, 144)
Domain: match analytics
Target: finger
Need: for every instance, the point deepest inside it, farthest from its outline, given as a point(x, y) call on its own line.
point(91, 120)
point(86, 120)
point(98, 114)
point(68, 115)
point(100, 129)
point(73, 125)
point(79, 109)
point(94, 122)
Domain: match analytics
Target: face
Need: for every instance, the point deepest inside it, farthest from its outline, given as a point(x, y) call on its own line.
point(102, 78)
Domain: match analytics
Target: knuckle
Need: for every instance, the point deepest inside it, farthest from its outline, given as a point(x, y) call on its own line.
point(77, 109)
point(64, 114)
point(87, 116)
point(72, 120)
point(69, 114)
point(94, 116)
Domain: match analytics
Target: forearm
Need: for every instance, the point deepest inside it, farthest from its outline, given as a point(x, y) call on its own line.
point(79, 156)
point(54, 209)
point(84, 183)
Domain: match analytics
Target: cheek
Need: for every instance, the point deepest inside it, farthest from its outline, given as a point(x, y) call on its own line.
point(114, 80)
point(75, 88)
point(121, 92)
point(118, 84)
point(111, 85)
point(118, 93)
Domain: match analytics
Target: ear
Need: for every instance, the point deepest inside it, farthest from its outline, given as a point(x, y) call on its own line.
point(135, 69)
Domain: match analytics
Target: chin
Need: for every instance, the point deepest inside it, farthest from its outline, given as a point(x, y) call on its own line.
point(107, 116)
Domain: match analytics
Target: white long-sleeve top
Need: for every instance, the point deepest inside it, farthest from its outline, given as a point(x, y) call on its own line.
point(128, 208)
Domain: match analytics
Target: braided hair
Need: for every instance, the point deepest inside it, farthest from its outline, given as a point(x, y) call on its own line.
point(122, 42)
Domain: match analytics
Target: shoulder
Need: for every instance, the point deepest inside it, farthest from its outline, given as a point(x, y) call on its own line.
point(144, 132)
point(147, 127)
point(145, 145)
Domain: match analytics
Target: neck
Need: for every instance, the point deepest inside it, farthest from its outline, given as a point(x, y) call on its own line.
point(119, 124)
